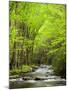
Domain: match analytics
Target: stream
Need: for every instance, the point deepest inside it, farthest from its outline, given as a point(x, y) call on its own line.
point(43, 76)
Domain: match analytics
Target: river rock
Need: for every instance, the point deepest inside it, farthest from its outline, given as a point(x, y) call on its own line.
point(40, 78)
point(13, 77)
point(43, 66)
point(26, 78)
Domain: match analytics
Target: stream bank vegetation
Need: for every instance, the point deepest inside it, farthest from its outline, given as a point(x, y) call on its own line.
point(37, 36)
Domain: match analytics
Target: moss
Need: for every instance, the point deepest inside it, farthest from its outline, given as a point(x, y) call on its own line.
point(24, 69)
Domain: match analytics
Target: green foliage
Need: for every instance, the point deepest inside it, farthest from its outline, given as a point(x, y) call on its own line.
point(59, 67)
point(59, 62)
point(37, 36)
point(24, 69)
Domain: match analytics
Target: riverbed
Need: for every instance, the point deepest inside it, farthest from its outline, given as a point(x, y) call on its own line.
point(43, 76)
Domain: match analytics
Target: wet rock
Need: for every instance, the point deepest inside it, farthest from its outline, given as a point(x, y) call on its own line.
point(13, 77)
point(53, 77)
point(19, 79)
point(33, 70)
point(50, 67)
point(35, 67)
point(40, 78)
point(27, 78)
point(43, 66)
point(12, 80)
point(46, 78)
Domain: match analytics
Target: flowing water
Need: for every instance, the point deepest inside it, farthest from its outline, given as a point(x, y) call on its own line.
point(41, 77)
